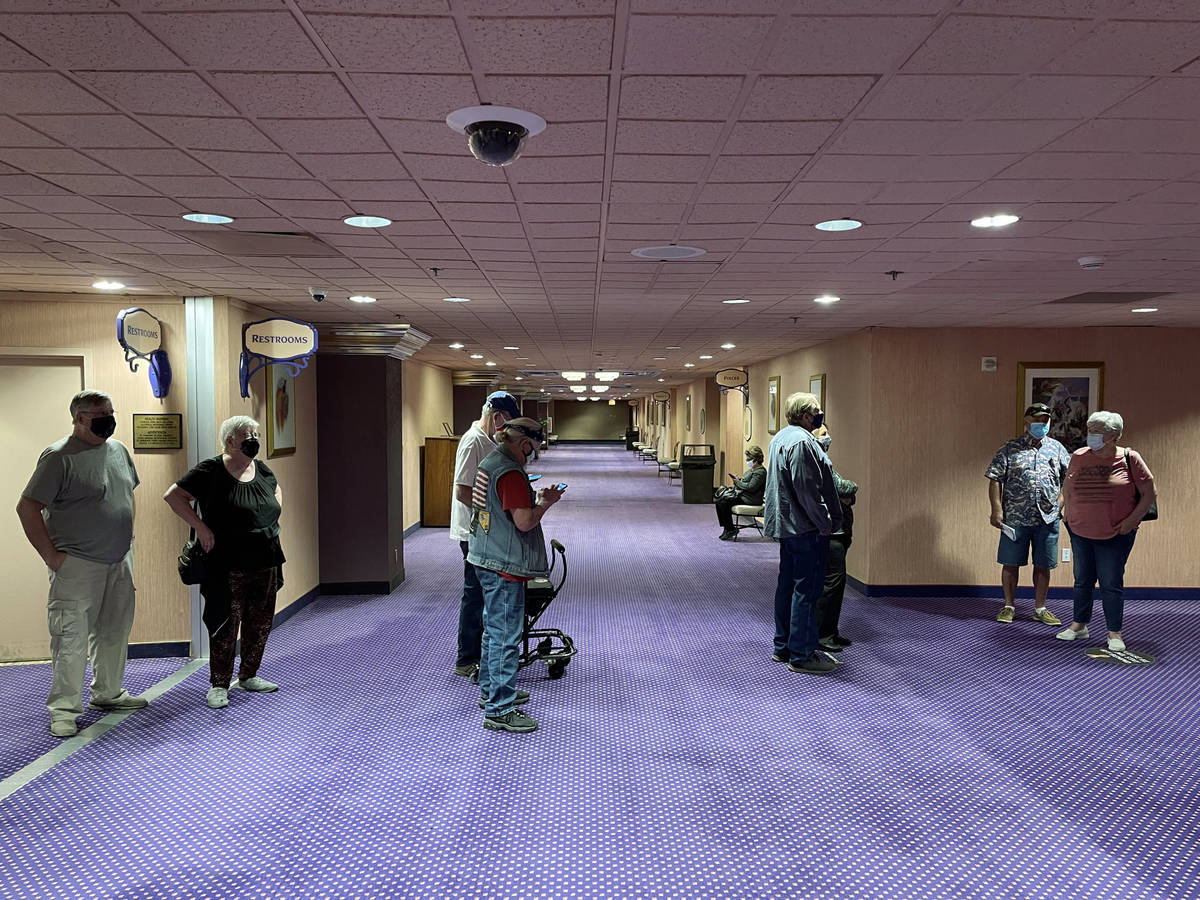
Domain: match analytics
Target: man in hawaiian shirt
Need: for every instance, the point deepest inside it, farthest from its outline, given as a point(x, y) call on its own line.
point(1024, 484)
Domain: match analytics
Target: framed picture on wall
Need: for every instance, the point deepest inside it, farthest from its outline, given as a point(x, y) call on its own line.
point(816, 387)
point(687, 413)
point(773, 401)
point(281, 411)
point(702, 421)
point(1072, 390)
point(747, 423)
point(662, 414)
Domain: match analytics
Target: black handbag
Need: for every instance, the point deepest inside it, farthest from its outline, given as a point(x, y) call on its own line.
point(1152, 512)
point(191, 561)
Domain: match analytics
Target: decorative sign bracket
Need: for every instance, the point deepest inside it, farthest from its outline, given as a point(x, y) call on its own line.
point(275, 342)
point(140, 334)
point(733, 379)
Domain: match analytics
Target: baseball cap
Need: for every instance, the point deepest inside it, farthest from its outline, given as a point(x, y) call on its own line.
point(1038, 409)
point(503, 401)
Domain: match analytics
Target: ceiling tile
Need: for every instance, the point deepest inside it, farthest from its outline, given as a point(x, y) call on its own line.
point(460, 166)
point(1163, 98)
point(379, 43)
point(46, 92)
point(1059, 97)
point(150, 162)
point(1130, 48)
point(376, 190)
point(699, 138)
point(554, 98)
point(117, 185)
point(657, 192)
point(220, 40)
point(96, 131)
point(158, 92)
point(995, 44)
point(778, 137)
point(935, 96)
point(353, 166)
point(757, 168)
point(320, 135)
point(42, 160)
point(558, 168)
point(88, 41)
point(297, 95)
point(691, 98)
point(694, 43)
point(793, 97)
point(416, 96)
point(541, 44)
point(584, 192)
point(649, 167)
point(847, 44)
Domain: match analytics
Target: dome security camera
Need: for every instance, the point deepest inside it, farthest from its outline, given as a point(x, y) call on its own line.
point(495, 134)
point(318, 294)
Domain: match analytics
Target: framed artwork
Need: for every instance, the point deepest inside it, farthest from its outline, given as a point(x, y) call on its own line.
point(687, 413)
point(1072, 390)
point(773, 402)
point(747, 422)
point(816, 387)
point(702, 417)
point(281, 411)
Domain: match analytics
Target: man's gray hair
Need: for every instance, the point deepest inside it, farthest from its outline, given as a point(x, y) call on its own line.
point(233, 425)
point(1109, 422)
point(798, 404)
point(85, 400)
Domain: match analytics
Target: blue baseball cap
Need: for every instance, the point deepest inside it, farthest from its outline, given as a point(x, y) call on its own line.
point(503, 401)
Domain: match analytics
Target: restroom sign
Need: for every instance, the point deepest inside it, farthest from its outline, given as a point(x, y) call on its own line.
point(138, 332)
point(280, 341)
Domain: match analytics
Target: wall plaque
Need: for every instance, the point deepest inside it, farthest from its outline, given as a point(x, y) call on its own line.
point(158, 431)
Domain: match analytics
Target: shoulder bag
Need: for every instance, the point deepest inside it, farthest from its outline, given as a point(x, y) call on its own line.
point(191, 561)
point(1152, 512)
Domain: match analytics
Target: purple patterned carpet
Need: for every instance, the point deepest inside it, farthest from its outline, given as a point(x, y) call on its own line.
point(950, 757)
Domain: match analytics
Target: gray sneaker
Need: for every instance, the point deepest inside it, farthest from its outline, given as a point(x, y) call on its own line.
point(817, 664)
point(122, 701)
point(63, 728)
point(514, 720)
point(217, 697)
point(256, 684)
point(522, 697)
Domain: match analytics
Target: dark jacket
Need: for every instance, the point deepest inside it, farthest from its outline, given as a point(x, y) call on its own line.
point(846, 488)
point(751, 485)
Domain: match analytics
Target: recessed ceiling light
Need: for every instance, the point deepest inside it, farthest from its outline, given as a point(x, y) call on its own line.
point(599, 388)
point(367, 221)
point(662, 379)
point(362, 298)
point(591, 398)
point(578, 388)
point(456, 299)
point(706, 356)
point(689, 365)
point(457, 346)
point(674, 348)
point(659, 357)
point(512, 348)
point(669, 252)
point(107, 285)
point(728, 346)
point(998, 221)
point(519, 378)
point(207, 218)
point(574, 376)
point(476, 356)
point(489, 363)
point(733, 300)
point(1145, 309)
point(607, 376)
point(520, 357)
point(838, 225)
point(826, 298)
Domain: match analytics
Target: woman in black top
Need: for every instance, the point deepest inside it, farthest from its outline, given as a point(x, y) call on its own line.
point(747, 490)
point(238, 527)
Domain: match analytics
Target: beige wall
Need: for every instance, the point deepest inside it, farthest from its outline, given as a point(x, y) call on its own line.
point(67, 322)
point(428, 402)
point(915, 422)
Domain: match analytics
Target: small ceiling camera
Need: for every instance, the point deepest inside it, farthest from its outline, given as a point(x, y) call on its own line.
point(495, 134)
point(318, 294)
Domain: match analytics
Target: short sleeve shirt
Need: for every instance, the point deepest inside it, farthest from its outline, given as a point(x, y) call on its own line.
point(87, 490)
point(1031, 478)
point(514, 493)
point(472, 448)
point(1101, 493)
point(243, 515)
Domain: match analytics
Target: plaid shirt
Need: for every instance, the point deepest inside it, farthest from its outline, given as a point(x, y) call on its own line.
point(1031, 478)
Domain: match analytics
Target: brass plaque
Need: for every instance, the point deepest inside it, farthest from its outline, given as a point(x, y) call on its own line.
point(158, 431)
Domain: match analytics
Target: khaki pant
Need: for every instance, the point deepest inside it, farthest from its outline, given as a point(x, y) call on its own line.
point(90, 613)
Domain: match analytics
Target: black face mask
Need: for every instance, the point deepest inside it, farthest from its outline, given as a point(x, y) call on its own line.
point(250, 447)
point(103, 426)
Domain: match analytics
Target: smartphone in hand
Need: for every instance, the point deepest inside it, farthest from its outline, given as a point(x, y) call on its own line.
point(560, 487)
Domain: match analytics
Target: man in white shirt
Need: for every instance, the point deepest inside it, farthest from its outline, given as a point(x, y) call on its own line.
point(472, 448)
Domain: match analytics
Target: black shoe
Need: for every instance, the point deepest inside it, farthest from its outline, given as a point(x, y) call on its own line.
point(844, 641)
point(522, 697)
point(817, 664)
point(468, 670)
point(778, 657)
point(513, 720)
point(830, 644)
point(728, 534)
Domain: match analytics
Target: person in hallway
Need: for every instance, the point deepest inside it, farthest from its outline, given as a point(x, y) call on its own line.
point(1025, 479)
point(800, 509)
point(507, 549)
point(1107, 492)
point(77, 512)
point(473, 446)
point(829, 606)
point(746, 490)
point(238, 526)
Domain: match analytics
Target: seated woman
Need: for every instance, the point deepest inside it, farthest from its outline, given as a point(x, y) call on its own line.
point(746, 491)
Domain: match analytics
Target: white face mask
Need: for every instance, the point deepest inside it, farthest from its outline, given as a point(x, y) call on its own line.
point(1095, 441)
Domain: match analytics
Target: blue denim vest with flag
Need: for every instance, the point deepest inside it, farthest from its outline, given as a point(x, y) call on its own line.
point(496, 542)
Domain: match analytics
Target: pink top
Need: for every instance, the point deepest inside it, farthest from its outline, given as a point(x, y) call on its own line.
point(1100, 492)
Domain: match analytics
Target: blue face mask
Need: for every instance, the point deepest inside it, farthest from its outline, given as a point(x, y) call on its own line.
point(1095, 441)
point(1038, 430)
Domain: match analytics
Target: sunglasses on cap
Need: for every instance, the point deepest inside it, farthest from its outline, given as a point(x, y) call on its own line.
point(534, 433)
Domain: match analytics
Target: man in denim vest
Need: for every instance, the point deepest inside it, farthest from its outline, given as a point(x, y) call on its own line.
point(507, 548)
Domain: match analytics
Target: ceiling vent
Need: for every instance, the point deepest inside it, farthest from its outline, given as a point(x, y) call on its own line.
point(1110, 297)
point(260, 243)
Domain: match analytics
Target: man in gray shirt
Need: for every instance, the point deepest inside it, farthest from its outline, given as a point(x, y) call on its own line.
point(800, 509)
point(77, 512)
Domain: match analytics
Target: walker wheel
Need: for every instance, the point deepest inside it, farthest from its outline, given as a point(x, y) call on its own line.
point(556, 670)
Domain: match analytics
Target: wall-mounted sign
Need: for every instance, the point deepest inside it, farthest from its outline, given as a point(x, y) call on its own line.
point(731, 378)
point(661, 396)
point(141, 334)
point(633, 402)
point(283, 341)
point(157, 431)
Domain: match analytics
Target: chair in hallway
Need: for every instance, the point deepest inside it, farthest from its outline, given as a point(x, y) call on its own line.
point(666, 465)
point(747, 517)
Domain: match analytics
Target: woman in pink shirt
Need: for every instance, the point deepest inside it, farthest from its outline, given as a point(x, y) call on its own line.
point(1102, 510)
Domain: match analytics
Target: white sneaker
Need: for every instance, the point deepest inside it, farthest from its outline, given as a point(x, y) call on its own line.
point(256, 684)
point(122, 701)
point(1116, 644)
point(217, 698)
point(63, 728)
point(1068, 635)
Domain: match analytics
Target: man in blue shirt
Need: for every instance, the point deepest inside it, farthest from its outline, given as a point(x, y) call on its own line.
point(1025, 480)
point(800, 509)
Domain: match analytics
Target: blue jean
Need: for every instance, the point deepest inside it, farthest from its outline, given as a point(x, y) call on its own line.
point(470, 615)
point(802, 561)
point(503, 624)
point(1103, 561)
